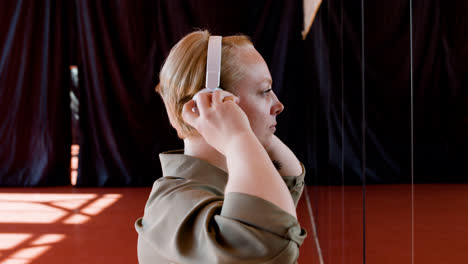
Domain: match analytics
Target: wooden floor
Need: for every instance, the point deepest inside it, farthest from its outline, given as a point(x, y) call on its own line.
point(95, 225)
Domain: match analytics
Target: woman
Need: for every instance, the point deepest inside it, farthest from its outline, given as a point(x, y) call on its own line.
point(221, 199)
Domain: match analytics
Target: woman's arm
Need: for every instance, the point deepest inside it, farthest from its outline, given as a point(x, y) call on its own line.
point(252, 172)
point(285, 160)
point(225, 126)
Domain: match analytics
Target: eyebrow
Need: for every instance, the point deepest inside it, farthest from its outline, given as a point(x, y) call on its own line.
point(266, 80)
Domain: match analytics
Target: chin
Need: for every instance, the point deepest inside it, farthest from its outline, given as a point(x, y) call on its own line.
point(266, 140)
point(264, 137)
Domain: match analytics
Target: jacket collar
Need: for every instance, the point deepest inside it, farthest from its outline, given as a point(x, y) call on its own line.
point(174, 163)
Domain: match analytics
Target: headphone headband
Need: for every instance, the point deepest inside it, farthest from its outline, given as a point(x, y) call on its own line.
point(213, 62)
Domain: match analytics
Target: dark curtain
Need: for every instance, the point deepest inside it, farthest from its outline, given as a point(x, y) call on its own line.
point(121, 48)
point(441, 91)
point(345, 110)
point(346, 100)
point(123, 122)
point(34, 100)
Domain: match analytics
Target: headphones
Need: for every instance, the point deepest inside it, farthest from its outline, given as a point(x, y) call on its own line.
point(213, 62)
point(213, 67)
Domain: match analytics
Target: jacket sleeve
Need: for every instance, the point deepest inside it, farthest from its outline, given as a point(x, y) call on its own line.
point(193, 223)
point(295, 185)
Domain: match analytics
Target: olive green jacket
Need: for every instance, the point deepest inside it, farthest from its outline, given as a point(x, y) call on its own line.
point(188, 219)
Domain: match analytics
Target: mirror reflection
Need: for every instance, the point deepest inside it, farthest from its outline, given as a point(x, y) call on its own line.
point(389, 125)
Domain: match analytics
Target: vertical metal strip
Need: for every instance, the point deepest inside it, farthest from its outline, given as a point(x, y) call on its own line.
point(314, 227)
point(342, 136)
point(412, 132)
point(363, 135)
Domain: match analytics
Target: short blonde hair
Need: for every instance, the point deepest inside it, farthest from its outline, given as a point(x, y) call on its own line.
point(183, 73)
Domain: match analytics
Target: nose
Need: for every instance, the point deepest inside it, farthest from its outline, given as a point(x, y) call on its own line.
point(277, 107)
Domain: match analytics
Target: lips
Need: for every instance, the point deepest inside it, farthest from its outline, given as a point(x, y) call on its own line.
point(273, 127)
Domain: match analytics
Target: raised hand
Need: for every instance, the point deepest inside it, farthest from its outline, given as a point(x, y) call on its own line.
point(217, 117)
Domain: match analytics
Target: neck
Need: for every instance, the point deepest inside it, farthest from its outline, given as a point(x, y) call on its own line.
point(199, 148)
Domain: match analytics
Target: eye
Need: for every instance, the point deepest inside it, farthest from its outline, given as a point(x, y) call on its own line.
point(267, 91)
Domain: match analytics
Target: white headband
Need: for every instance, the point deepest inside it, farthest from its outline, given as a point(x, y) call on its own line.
point(213, 67)
point(213, 62)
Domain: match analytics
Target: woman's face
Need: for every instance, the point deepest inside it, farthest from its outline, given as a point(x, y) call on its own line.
point(257, 99)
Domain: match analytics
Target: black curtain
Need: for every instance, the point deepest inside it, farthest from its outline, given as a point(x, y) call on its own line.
point(441, 91)
point(121, 48)
point(331, 90)
point(123, 122)
point(34, 99)
point(346, 101)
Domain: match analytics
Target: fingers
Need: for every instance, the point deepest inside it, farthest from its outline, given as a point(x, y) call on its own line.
point(203, 102)
point(231, 98)
point(188, 115)
point(197, 106)
point(205, 90)
point(219, 97)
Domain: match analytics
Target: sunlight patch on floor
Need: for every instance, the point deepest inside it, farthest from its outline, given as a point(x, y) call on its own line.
point(9, 241)
point(48, 209)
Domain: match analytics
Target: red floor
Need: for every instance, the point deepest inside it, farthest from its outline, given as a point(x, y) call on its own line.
point(440, 231)
point(69, 225)
point(95, 225)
